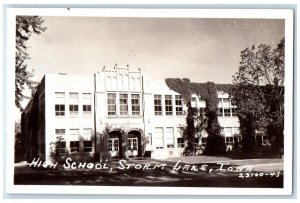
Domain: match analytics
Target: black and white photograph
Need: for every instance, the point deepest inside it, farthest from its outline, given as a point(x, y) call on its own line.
point(192, 99)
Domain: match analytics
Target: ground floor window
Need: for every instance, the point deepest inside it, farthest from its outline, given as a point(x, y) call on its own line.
point(180, 143)
point(61, 147)
point(158, 138)
point(229, 140)
point(74, 146)
point(87, 146)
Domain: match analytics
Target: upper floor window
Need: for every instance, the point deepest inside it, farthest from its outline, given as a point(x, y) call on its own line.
point(220, 111)
point(123, 104)
point(135, 104)
point(157, 105)
point(59, 109)
point(168, 104)
point(233, 110)
point(178, 104)
point(59, 103)
point(73, 100)
point(111, 104)
point(87, 103)
point(226, 112)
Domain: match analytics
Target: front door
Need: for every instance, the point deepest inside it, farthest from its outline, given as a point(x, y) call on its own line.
point(113, 147)
point(133, 146)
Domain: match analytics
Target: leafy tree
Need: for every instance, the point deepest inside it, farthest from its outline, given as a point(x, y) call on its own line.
point(259, 93)
point(25, 27)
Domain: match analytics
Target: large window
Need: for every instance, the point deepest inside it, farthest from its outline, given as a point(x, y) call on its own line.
point(158, 138)
point(180, 142)
point(233, 110)
point(59, 103)
point(220, 111)
point(227, 112)
point(74, 137)
point(168, 104)
point(178, 104)
point(87, 143)
point(87, 146)
point(157, 105)
point(111, 104)
point(73, 100)
point(87, 104)
point(123, 104)
point(135, 104)
point(60, 140)
point(169, 137)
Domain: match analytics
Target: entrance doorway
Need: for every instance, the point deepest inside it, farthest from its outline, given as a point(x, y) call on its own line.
point(134, 143)
point(114, 144)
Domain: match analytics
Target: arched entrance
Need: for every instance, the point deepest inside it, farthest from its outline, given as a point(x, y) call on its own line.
point(114, 144)
point(134, 143)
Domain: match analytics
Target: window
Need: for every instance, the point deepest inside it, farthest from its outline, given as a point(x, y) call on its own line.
point(180, 143)
point(73, 109)
point(61, 147)
point(73, 100)
point(157, 105)
point(229, 140)
point(87, 101)
point(178, 104)
point(87, 146)
point(228, 131)
point(132, 144)
point(123, 104)
point(168, 104)
point(74, 146)
point(226, 112)
point(59, 110)
point(87, 109)
point(220, 103)
point(87, 133)
point(203, 141)
point(220, 111)
point(59, 103)
point(60, 143)
point(158, 138)
point(202, 111)
point(226, 100)
point(169, 137)
point(233, 110)
point(135, 104)
point(74, 137)
point(194, 102)
point(111, 104)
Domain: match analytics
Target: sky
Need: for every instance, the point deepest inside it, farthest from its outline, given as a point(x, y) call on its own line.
point(200, 49)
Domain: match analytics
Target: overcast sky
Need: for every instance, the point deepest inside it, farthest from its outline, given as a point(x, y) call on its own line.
point(200, 49)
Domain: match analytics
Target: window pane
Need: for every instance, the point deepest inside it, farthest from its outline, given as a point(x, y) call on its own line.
point(135, 102)
point(123, 104)
point(111, 103)
point(168, 105)
point(178, 103)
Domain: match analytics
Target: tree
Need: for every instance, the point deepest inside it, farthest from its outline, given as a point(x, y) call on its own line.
point(259, 93)
point(25, 27)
